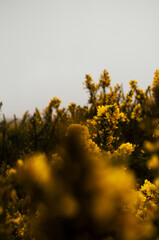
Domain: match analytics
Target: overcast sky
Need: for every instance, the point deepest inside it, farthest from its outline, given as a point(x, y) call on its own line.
point(47, 47)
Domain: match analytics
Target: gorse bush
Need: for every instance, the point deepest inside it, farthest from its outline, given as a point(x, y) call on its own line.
point(83, 172)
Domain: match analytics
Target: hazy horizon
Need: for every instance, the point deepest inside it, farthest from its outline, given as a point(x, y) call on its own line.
point(47, 47)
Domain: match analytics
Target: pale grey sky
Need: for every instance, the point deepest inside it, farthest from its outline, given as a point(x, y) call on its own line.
point(47, 47)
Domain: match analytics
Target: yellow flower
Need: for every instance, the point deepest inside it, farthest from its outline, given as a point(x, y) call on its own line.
point(105, 79)
point(125, 148)
point(133, 83)
point(153, 162)
point(101, 110)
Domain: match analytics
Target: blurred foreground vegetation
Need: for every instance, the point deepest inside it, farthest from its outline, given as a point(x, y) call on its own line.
point(83, 172)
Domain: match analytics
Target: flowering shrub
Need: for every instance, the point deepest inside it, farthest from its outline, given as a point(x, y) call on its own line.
point(83, 172)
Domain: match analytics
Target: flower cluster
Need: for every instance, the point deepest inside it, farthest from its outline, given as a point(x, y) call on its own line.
point(106, 122)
